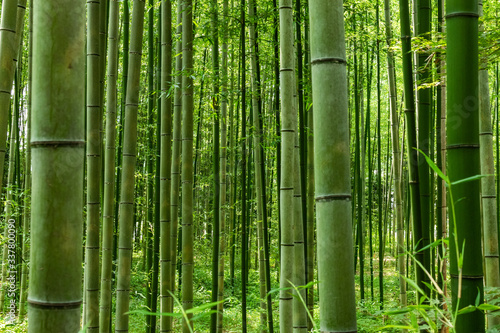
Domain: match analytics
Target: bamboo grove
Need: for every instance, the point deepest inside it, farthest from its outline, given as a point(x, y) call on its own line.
point(249, 166)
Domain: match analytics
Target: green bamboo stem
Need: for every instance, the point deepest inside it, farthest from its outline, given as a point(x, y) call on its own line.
point(411, 137)
point(299, 262)
point(444, 224)
point(27, 181)
point(358, 180)
point(216, 163)
point(125, 54)
point(103, 30)
point(379, 172)
point(176, 153)
point(166, 163)
point(11, 226)
point(157, 224)
point(127, 198)
point(462, 130)
point(223, 163)
point(488, 191)
point(258, 162)
point(301, 128)
point(440, 218)
point(276, 109)
point(187, 162)
point(151, 232)
point(332, 170)
point(109, 171)
point(234, 167)
point(299, 198)
point(424, 103)
point(396, 155)
point(57, 143)
point(11, 22)
point(199, 131)
point(310, 206)
point(367, 139)
point(244, 237)
point(310, 212)
point(93, 151)
point(288, 113)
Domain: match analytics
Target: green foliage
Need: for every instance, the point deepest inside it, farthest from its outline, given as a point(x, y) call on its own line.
point(6, 325)
point(198, 312)
point(431, 314)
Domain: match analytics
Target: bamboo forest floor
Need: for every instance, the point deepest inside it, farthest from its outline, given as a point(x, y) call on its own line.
point(370, 317)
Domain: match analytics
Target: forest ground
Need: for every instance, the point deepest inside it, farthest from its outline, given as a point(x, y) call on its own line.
point(370, 317)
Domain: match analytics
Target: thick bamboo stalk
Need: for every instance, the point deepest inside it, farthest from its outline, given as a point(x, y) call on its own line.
point(93, 151)
point(57, 144)
point(332, 168)
point(288, 113)
point(424, 103)
point(109, 171)
point(127, 197)
point(462, 129)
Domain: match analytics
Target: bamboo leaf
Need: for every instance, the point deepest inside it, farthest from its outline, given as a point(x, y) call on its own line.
point(414, 321)
point(469, 179)
point(467, 309)
point(401, 327)
point(488, 307)
point(461, 258)
point(435, 167)
point(203, 314)
point(203, 307)
point(397, 312)
point(414, 285)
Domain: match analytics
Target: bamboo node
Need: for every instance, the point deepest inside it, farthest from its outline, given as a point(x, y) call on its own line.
point(332, 197)
point(464, 145)
point(329, 60)
point(462, 14)
point(55, 144)
point(471, 277)
point(60, 305)
point(8, 30)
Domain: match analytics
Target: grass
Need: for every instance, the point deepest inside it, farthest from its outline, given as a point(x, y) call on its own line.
point(369, 315)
